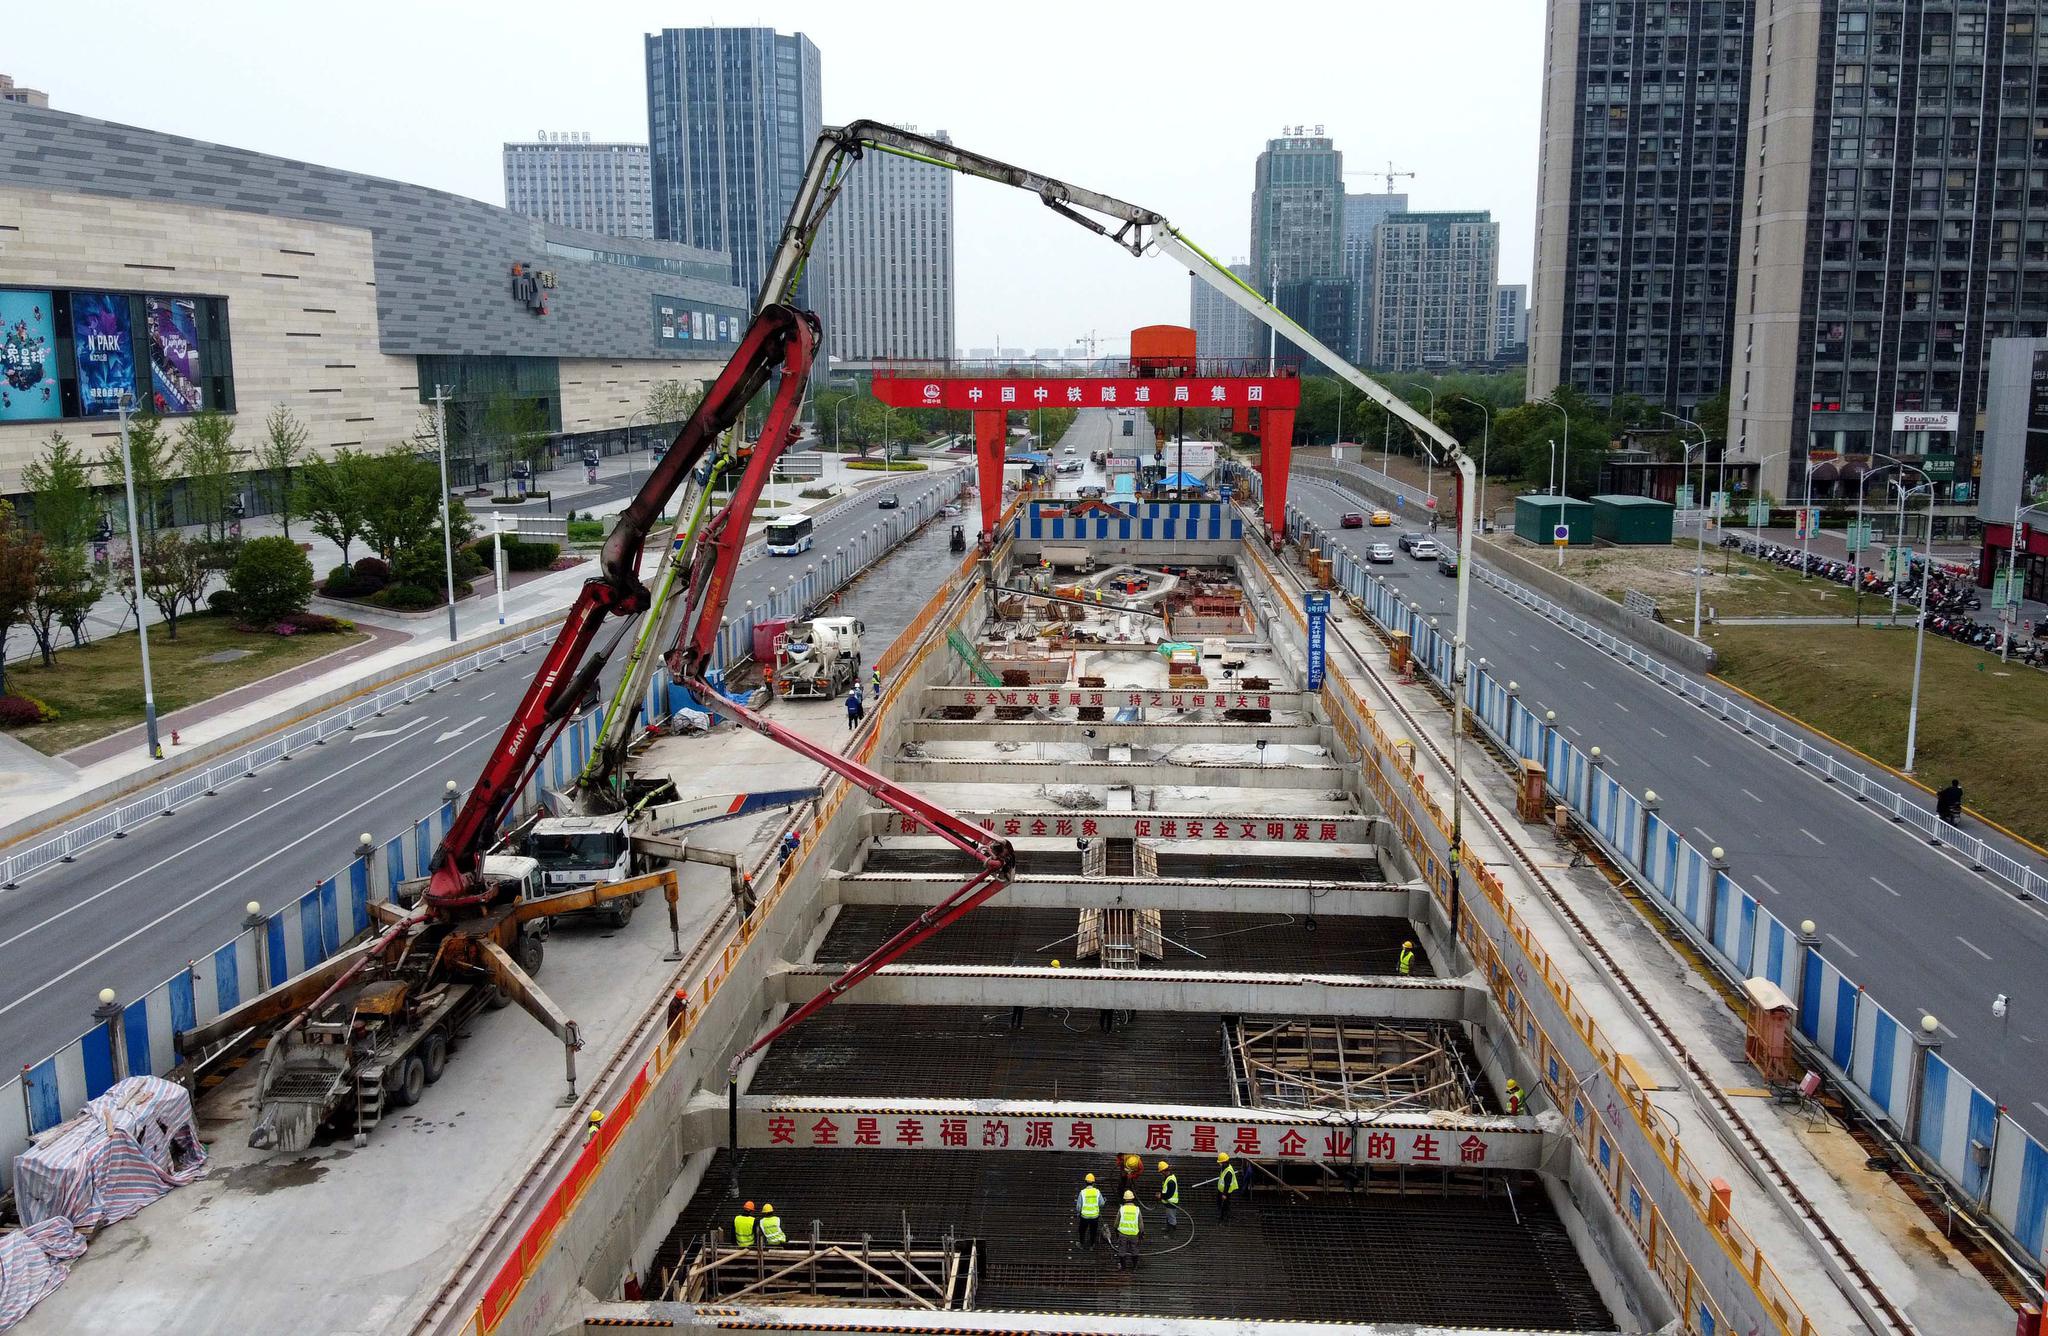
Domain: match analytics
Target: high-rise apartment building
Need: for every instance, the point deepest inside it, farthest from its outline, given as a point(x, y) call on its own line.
point(889, 261)
point(563, 178)
point(28, 97)
point(1433, 290)
point(1640, 168)
point(1298, 233)
point(1510, 319)
point(731, 117)
point(1362, 216)
point(1895, 220)
point(1222, 329)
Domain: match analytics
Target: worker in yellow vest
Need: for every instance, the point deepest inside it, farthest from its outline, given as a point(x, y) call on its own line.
point(1407, 961)
point(1226, 1184)
point(1128, 1225)
point(743, 1227)
point(771, 1227)
point(1514, 1096)
point(1088, 1214)
point(1169, 1197)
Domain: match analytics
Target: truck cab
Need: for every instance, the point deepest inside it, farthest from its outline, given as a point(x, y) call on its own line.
point(572, 851)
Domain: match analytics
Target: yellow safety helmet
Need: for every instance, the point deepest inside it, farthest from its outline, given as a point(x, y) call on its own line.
point(1513, 1084)
point(1406, 945)
point(769, 1209)
point(1091, 1178)
point(1162, 1166)
point(1055, 963)
point(1127, 1194)
point(597, 1115)
point(1223, 1157)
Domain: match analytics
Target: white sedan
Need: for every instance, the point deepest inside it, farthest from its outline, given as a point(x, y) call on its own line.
point(1380, 554)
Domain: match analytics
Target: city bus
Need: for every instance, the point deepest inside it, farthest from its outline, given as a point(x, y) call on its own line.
point(788, 535)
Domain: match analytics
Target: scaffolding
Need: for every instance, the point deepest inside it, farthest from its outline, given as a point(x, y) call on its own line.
point(1351, 1066)
point(830, 1273)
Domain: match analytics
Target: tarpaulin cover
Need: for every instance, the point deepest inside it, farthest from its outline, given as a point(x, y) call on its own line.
point(123, 1151)
point(33, 1262)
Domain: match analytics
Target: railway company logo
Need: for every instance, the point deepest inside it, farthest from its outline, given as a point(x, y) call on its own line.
point(931, 391)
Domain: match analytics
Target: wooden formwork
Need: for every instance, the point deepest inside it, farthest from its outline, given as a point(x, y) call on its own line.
point(1350, 1066)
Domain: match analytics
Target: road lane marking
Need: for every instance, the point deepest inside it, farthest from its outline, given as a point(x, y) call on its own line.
point(378, 796)
point(1703, 834)
point(1587, 685)
point(1703, 760)
point(2039, 1105)
point(1752, 796)
point(406, 727)
point(1881, 883)
point(1623, 708)
point(1973, 946)
point(1811, 836)
point(1573, 731)
point(1561, 667)
point(486, 696)
point(1761, 882)
point(77, 905)
point(1844, 945)
point(459, 729)
point(1658, 731)
point(1939, 1024)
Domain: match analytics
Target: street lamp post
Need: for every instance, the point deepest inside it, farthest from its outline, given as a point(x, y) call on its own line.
point(629, 439)
point(135, 558)
point(1550, 477)
point(447, 524)
point(1564, 485)
point(1919, 631)
point(1428, 455)
point(1485, 438)
point(1699, 527)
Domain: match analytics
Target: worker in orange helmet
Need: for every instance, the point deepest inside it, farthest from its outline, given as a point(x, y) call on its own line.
point(743, 1226)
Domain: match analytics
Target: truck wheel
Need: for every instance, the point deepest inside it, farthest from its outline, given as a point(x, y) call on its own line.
point(435, 1055)
point(619, 914)
point(529, 953)
point(497, 999)
point(412, 1083)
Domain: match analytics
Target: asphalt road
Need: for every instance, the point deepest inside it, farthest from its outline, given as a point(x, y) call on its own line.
point(1917, 929)
point(130, 913)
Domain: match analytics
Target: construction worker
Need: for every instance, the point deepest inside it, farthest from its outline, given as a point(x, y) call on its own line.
point(747, 898)
point(678, 1006)
point(1514, 1096)
point(1088, 1213)
point(1226, 1184)
point(875, 679)
point(855, 711)
point(1406, 964)
point(1128, 1225)
point(593, 1126)
point(771, 1227)
point(790, 843)
point(1169, 1197)
point(743, 1227)
point(1132, 1167)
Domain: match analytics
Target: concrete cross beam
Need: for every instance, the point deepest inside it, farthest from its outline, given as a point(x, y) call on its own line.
point(1165, 734)
point(925, 770)
point(1336, 899)
point(1119, 698)
point(1306, 830)
point(1201, 991)
point(1362, 1139)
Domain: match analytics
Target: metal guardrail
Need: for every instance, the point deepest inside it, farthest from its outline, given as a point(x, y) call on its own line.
point(117, 820)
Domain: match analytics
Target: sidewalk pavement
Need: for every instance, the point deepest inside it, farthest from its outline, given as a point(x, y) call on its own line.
point(31, 782)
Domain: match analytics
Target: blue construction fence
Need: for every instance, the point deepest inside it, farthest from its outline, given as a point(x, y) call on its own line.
point(1132, 521)
point(1962, 1132)
point(140, 1038)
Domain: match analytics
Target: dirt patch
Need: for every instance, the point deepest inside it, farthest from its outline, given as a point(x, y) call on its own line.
point(1732, 585)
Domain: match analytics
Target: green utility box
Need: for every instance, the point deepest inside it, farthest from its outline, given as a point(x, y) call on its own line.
point(1537, 517)
point(1632, 521)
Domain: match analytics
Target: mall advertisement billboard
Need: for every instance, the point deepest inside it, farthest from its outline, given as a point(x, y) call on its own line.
point(174, 355)
point(28, 357)
point(103, 346)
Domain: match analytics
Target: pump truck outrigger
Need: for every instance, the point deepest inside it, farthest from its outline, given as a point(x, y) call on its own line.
point(476, 929)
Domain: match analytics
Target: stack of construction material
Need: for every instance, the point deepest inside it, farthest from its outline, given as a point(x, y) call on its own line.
point(34, 1262)
point(123, 1151)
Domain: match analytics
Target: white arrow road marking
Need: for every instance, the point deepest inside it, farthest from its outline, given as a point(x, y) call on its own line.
point(402, 728)
point(460, 729)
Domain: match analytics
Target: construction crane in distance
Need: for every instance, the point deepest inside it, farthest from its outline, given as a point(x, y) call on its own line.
point(1389, 174)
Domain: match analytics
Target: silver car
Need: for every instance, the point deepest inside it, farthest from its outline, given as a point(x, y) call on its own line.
point(1379, 554)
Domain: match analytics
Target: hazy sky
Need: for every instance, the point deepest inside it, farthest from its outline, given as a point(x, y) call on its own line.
point(1164, 106)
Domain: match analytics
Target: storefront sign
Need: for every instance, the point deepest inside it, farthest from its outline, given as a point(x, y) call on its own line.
point(531, 286)
point(1940, 468)
point(1925, 421)
point(103, 346)
point(174, 355)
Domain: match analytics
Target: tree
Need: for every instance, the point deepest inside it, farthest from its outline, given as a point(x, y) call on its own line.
point(331, 495)
point(514, 431)
point(60, 478)
point(156, 461)
point(402, 503)
point(284, 441)
point(212, 466)
point(865, 424)
point(70, 586)
point(1712, 415)
point(670, 402)
point(272, 580)
point(21, 559)
point(173, 572)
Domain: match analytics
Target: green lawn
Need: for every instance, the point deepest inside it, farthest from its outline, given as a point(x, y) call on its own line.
point(97, 689)
point(1981, 721)
point(1734, 585)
